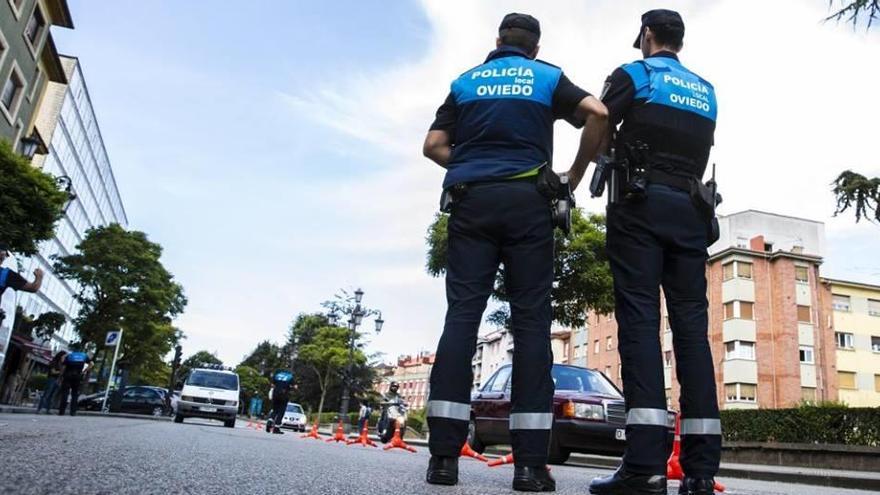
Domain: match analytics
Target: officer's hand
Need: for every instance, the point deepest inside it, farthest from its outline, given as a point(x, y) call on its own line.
point(38, 273)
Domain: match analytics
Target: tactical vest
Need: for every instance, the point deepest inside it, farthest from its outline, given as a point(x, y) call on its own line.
point(4, 274)
point(679, 109)
point(505, 120)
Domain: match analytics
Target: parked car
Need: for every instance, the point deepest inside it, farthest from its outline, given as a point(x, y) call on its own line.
point(588, 414)
point(134, 400)
point(294, 417)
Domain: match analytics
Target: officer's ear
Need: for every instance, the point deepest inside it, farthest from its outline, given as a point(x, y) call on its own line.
point(498, 42)
point(534, 53)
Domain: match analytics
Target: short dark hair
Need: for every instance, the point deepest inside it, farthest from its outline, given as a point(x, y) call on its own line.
point(519, 38)
point(670, 35)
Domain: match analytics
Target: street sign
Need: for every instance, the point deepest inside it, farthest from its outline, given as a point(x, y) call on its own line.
point(112, 338)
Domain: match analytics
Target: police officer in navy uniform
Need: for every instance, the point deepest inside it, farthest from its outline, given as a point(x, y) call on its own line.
point(494, 135)
point(656, 237)
point(76, 365)
point(10, 279)
point(282, 381)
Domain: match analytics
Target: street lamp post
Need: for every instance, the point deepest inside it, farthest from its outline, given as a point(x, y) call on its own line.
point(355, 319)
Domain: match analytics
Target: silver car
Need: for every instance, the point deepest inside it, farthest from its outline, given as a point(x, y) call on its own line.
point(294, 417)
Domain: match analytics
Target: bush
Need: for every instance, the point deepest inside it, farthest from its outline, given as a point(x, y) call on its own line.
point(827, 423)
point(38, 381)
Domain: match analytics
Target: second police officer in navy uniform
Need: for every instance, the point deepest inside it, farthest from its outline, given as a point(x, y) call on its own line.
point(658, 232)
point(494, 135)
point(282, 382)
point(76, 364)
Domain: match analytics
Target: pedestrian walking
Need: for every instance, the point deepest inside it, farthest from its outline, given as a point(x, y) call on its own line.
point(494, 137)
point(53, 381)
point(661, 220)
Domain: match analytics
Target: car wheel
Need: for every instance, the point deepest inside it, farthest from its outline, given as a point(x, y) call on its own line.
point(557, 454)
point(472, 439)
point(158, 411)
point(178, 418)
point(230, 423)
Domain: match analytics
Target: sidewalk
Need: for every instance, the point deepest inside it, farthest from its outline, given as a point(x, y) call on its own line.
point(5, 409)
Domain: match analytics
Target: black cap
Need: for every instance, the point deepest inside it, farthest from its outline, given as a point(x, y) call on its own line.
point(521, 21)
point(4, 246)
point(658, 17)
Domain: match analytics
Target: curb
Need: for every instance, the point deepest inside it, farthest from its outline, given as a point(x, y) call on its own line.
point(33, 412)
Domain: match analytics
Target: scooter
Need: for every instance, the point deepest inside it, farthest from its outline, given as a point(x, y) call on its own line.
point(393, 411)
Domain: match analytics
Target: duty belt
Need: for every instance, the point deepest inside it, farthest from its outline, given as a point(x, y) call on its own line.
point(656, 176)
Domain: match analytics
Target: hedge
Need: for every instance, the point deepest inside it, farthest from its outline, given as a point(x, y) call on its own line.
point(830, 424)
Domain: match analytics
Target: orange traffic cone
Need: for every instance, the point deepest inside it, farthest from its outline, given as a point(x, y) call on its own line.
point(508, 459)
point(467, 451)
point(397, 440)
point(340, 434)
point(250, 423)
point(363, 439)
point(673, 466)
point(313, 433)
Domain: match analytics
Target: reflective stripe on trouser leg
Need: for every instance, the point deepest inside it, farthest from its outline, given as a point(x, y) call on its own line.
point(531, 421)
point(700, 426)
point(448, 410)
point(646, 416)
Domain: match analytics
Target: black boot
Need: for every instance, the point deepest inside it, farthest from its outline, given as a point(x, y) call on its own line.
point(442, 470)
point(533, 479)
point(624, 483)
point(276, 430)
point(697, 486)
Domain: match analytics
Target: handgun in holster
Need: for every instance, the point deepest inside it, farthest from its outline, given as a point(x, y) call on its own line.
point(557, 189)
point(450, 196)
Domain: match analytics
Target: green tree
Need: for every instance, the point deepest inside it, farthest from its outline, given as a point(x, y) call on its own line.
point(266, 358)
point(327, 356)
point(582, 277)
point(42, 327)
point(252, 384)
point(855, 11)
point(30, 202)
point(123, 284)
point(196, 360)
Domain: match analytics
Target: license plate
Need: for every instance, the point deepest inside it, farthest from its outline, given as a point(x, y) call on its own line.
point(620, 434)
point(209, 409)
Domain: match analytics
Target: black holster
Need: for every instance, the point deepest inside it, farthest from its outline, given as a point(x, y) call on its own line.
point(705, 198)
point(452, 195)
point(558, 191)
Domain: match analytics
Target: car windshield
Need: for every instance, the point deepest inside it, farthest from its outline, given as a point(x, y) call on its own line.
point(213, 379)
point(294, 408)
point(582, 380)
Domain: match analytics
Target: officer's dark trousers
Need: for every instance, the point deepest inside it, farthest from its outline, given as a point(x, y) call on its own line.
point(279, 407)
point(69, 385)
point(501, 222)
point(661, 240)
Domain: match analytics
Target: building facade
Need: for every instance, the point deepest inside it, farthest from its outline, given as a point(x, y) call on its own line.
point(856, 328)
point(413, 374)
point(28, 62)
point(75, 150)
point(495, 349)
point(770, 317)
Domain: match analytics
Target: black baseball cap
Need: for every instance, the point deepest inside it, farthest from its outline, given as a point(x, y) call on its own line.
point(658, 17)
point(4, 246)
point(521, 21)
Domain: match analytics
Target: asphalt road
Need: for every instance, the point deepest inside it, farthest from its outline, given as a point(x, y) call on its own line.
point(94, 455)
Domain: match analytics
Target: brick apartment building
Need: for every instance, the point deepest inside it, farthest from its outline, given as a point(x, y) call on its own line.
point(771, 323)
point(413, 374)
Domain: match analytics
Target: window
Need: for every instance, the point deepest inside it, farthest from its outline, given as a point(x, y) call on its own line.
point(739, 349)
point(846, 380)
point(806, 354)
point(596, 347)
point(667, 359)
point(609, 343)
point(746, 310)
point(728, 311)
point(808, 394)
point(35, 27)
point(620, 371)
point(876, 383)
point(840, 303)
point(768, 247)
point(500, 380)
point(742, 242)
point(608, 371)
point(740, 392)
point(16, 7)
point(801, 274)
point(873, 307)
point(10, 96)
point(844, 340)
point(737, 269)
point(875, 343)
point(38, 80)
point(803, 314)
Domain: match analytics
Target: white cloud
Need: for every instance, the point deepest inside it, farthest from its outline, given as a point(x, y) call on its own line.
point(796, 107)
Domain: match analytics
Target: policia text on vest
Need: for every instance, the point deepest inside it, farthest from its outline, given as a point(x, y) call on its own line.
point(494, 137)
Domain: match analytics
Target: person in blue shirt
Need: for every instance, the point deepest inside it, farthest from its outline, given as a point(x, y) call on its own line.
point(282, 382)
point(10, 279)
point(658, 230)
point(494, 137)
point(76, 365)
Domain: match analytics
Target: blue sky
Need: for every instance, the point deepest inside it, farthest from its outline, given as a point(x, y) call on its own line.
point(273, 150)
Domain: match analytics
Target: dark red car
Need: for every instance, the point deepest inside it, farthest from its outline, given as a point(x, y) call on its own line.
point(588, 414)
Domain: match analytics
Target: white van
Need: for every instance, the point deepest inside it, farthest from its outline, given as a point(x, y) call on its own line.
point(209, 392)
